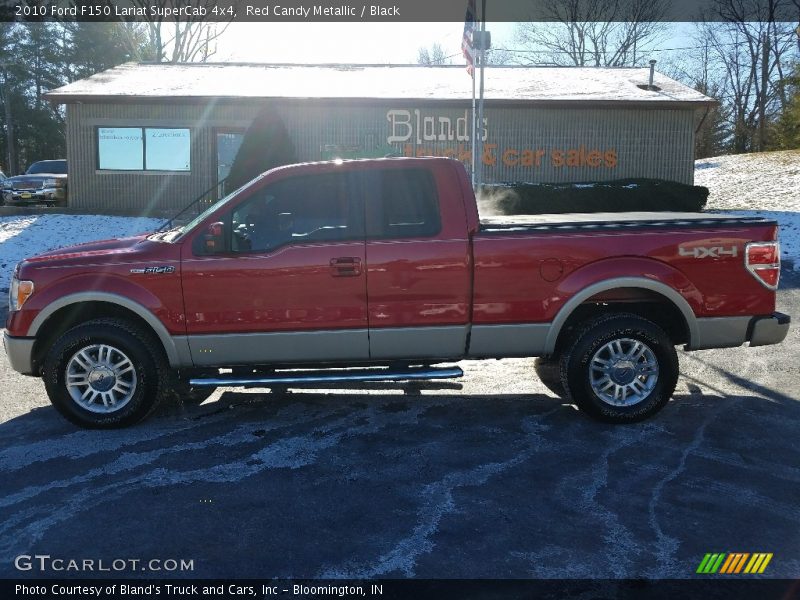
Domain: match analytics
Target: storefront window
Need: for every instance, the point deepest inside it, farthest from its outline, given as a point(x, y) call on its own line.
point(143, 149)
point(120, 148)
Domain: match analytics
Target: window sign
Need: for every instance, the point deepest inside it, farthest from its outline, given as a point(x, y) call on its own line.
point(120, 148)
point(143, 149)
point(167, 149)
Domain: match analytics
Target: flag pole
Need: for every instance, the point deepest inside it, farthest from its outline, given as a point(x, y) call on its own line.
point(474, 136)
point(479, 128)
point(468, 48)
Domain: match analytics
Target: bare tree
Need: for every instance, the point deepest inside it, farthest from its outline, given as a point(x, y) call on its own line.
point(599, 33)
point(433, 56)
point(185, 38)
point(498, 56)
point(753, 53)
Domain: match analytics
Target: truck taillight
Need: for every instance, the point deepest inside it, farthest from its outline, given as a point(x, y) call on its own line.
point(763, 260)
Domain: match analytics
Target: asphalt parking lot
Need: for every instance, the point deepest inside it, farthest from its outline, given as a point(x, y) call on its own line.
point(485, 477)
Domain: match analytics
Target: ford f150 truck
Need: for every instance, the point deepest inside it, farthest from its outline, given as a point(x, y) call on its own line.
point(383, 270)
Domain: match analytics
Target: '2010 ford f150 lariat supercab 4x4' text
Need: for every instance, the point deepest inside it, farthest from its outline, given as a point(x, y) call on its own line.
point(383, 270)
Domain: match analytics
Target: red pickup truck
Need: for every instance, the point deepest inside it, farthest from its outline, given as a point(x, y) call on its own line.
point(383, 270)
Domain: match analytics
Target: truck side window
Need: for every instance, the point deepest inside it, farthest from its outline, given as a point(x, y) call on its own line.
point(407, 206)
point(295, 211)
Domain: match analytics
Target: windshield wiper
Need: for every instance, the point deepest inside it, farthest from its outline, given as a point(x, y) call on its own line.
point(161, 235)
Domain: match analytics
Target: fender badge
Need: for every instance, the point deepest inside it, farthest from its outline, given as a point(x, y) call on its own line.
point(154, 270)
point(708, 252)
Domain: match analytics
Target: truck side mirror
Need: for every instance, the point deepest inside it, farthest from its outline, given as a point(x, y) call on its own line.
point(213, 240)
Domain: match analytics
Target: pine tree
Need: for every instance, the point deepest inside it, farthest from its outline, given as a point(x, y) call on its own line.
point(712, 134)
point(786, 131)
point(13, 83)
point(94, 47)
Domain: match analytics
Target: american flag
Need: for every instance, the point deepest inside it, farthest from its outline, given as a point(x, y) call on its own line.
point(466, 40)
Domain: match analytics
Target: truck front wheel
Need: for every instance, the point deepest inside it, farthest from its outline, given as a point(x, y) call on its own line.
point(620, 368)
point(104, 374)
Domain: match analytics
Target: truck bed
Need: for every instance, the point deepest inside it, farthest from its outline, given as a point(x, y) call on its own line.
point(605, 221)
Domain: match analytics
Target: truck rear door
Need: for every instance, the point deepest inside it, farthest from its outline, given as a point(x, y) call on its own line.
point(418, 262)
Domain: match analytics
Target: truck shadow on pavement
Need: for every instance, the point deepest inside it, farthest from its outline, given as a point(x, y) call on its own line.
point(357, 484)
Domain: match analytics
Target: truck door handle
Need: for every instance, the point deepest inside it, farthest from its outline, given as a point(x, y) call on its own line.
point(346, 266)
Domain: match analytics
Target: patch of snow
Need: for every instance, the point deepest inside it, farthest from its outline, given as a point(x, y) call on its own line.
point(761, 181)
point(25, 236)
point(765, 184)
point(705, 165)
point(532, 84)
point(789, 235)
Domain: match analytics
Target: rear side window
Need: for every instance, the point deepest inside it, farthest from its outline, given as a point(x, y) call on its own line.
point(294, 211)
point(407, 205)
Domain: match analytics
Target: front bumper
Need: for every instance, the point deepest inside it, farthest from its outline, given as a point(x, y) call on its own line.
point(24, 197)
point(20, 353)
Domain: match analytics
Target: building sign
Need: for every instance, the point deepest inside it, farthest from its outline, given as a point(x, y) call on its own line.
point(428, 128)
point(420, 134)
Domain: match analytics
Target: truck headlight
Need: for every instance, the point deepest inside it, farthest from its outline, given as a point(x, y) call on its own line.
point(19, 293)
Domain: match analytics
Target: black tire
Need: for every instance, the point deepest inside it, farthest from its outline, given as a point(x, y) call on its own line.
point(137, 384)
point(549, 372)
point(601, 390)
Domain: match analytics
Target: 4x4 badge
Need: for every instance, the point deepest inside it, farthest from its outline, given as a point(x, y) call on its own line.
point(149, 270)
point(708, 252)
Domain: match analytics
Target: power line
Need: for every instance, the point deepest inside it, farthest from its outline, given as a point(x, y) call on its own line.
point(646, 51)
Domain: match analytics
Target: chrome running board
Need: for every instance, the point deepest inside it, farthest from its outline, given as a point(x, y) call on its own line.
point(331, 376)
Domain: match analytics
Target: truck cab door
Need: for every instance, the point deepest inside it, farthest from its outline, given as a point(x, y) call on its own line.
point(288, 285)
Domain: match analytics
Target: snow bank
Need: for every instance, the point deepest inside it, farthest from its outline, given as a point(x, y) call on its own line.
point(763, 181)
point(765, 184)
point(21, 237)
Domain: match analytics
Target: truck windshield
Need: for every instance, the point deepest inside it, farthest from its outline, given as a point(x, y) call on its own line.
point(48, 166)
point(185, 229)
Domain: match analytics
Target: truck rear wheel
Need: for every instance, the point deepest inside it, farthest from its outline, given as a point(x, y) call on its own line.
point(104, 374)
point(620, 368)
point(549, 372)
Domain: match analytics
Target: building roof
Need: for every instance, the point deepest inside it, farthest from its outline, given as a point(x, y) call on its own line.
point(196, 81)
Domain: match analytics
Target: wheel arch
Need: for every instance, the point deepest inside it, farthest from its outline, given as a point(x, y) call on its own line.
point(73, 309)
point(669, 295)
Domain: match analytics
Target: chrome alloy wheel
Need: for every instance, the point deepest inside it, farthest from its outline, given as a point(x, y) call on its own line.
point(100, 378)
point(623, 372)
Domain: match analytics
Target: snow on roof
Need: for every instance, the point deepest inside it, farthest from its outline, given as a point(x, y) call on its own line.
point(238, 80)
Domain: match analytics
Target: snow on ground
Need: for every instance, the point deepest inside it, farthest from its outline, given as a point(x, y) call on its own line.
point(765, 185)
point(763, 181)
point(29, 235)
